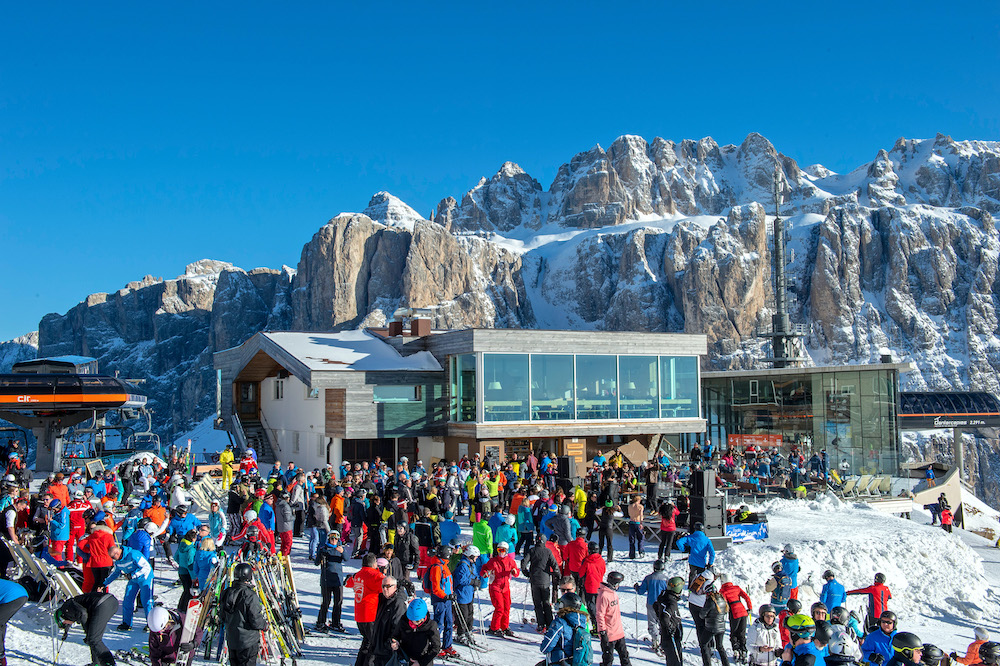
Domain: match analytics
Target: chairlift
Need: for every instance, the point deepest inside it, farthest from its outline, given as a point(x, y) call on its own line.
point(145, 440)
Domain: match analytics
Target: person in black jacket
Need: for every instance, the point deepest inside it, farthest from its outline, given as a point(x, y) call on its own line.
point(606, 532)
point(391, 612)
point(373, 519)
point(240, 612)
point(93, 611)
point(669, 616)
point(356, 514)
point(540, 565)
point(407, 549)
point(417, 636)
point(713, 625)
point(330, 558)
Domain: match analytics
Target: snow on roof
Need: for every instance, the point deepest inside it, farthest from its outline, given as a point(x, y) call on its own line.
point(350, 350)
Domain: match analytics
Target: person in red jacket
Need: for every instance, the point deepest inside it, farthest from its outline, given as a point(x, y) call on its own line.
point(553, 545)
point(99, 562)
point(573, 554)
point(266, 535)
point(878, 600)
point(367, 586)
point(738, 612)
point(502, 566)
point(77, 525)
point(592, 575)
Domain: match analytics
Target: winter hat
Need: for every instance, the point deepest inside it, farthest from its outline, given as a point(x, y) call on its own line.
point(449, 515)
point(982, 634)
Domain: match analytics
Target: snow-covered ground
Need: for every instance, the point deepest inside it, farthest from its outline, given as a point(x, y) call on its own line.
point(942, 586)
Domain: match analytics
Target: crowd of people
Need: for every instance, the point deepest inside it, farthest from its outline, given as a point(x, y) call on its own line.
point(419, 546)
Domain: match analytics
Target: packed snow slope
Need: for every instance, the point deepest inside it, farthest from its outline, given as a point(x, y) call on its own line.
point(941, 588)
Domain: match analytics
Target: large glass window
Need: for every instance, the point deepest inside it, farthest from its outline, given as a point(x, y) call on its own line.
point(596, 387)
point(393, 393)
point(552, 387)
point(679, 386)
point(639, 388)
point(463, 387)
point(505, 387)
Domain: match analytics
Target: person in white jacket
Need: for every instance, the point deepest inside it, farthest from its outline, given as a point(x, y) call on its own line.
point(764, 639)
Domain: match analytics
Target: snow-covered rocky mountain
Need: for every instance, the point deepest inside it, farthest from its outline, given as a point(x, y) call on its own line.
point(660, 236)
point(19, 349)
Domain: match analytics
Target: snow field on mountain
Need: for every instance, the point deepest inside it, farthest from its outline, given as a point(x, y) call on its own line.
point(940, 587)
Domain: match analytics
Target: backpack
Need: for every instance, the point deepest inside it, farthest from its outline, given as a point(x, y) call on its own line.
point(582, 653)
point(698, 583)
point(427, 578)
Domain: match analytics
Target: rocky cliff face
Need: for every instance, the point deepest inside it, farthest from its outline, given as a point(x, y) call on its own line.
point(23, 348)
point(660, 236)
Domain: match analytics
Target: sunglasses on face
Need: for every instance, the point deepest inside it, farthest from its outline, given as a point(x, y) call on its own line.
point(388, 586)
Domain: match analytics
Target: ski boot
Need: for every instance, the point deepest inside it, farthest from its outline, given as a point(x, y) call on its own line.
point(321, 628)
point(507, 632)
point(496, 633)
point(124, 627)
point(339, 628)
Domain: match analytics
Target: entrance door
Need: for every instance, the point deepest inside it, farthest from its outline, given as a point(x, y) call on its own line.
point(249, 400)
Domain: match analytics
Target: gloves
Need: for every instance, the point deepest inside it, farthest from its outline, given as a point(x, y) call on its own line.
point(450, 597)
point(186, 647)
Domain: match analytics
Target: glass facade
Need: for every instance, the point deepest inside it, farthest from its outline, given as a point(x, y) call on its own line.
point(850, 414)
point(582, 387)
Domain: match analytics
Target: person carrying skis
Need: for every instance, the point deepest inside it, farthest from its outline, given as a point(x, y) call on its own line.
point(439, 584)
point(735, 596)
point(540, 566)
point(165, 627)
point(609, 621)
point(790, 567)
point(567, 641)
point(701, 553)
point(240, 612)
point(140, 582)
point(878, 600)
point(833, 593)
point(591, 575)
point(764, 639)
point(668, 615)
point(502, 567)
point(653, 586)
point(93, 610)
point(877, 646)
point(416, 638)
point(367, 585)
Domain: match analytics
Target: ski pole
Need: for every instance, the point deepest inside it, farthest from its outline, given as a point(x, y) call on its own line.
point(638, 643)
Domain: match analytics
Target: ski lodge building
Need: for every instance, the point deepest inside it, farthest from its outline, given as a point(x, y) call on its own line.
point(318, 398)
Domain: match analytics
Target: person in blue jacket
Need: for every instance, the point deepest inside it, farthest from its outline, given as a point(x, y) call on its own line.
point(266, 514)
point(185, 567)
point(140, 572)
point(701, 553)
point(466, 580)
point(652, 586)
point(879, 641)
point(525, 528)
point(449, 528)
point(98, 486)
point(205, 558)
point(12, 597)
point(790, 567)
point(571, 618)
point(496, 520)
point(183, 522)
point(58, 529)
point(505, 532)
point(833, 593)
point(131, 519)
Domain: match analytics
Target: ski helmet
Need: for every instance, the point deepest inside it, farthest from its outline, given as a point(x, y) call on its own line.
point(932, 655)
point(243, 572)
point(78, 494)
point(658, 565)
point(824, 631)
point(794, 606)
point(181, 509)
point(570, 601)
point(765, 609)
point(504, 546)
point(510, 519)
point(158, 619)
point(150, 527)
point(416, 610)
point(253, 533)
point(880, 578)
point(473, 552)
point(841, 645)
point(776, 567)
point(249, 515)
point(788, 550)
point(839, 615)
point(444, 551)
point(55, 505)
point(565, 509)
point(334, 534)
point(615, 579)
point(989, 652)
point(592, 547)
point(675, 584)
point(819, 607)
point(888, 616)
point(381, 563)
point(698, 527)
point(800, 626)
point(907, 643)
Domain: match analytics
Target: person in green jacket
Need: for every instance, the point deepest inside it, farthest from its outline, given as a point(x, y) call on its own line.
point(482, 537)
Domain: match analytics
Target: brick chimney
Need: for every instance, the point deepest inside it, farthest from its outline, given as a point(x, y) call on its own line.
point(395, 328)
point(420, 327)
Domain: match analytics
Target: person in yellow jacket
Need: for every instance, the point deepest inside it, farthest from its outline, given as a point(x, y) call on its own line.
point(226, 460)
point(580, 499)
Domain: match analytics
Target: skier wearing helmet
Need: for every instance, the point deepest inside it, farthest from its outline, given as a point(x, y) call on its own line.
point(240, 612)
point(878, 600)
point(764, 639)
point(417, 637)
point(907, 649)
point(877, 645)
point(467, 581)
point(790, 567)
point(653, 586)
point(669, 617)
point(502, 567)
point(609, 621)
point(566, 640)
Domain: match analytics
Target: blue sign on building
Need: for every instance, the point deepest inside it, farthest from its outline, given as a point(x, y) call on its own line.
point(747, 532)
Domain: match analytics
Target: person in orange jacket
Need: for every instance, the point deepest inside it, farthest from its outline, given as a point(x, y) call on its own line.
point(367, 586)
point(735, 596)
point(502, 566)
point(336, 510)
point(972, 653)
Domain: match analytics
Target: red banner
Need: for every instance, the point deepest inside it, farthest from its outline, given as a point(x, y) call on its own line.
point(758, 441)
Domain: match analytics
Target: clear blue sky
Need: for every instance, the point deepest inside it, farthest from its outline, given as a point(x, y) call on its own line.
point(138, 137)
